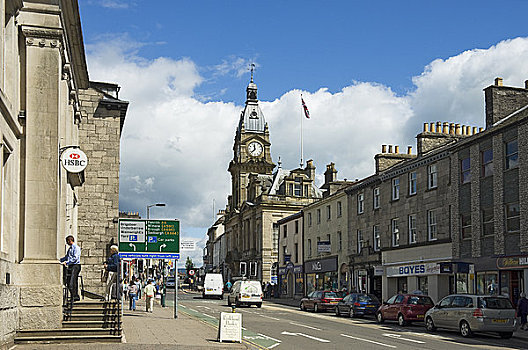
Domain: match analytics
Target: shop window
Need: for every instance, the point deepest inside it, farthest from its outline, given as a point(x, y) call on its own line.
point(402, 288)
point(486, 159)
point(512, 217)
point(412, 183)
point(339, 209)
point(461, 283)
point(395, 232)
point(465, 225)
point(309, 219)
point(512, 154)
point(412, 229)
point(395, 189)
point(431, 225)
point(359, 241)
point(465, 170)
point(377, 237)
point(432, 176)
point(360, 203)
point(318, 216)
point(423, 284)
point(487, 222)
point(328, 212)
point(487, 283)
point(376, 197)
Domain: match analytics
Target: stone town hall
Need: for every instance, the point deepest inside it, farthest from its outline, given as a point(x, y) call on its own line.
point(260, 195)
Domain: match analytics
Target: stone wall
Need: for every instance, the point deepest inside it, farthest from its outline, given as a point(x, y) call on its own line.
point(99, 136)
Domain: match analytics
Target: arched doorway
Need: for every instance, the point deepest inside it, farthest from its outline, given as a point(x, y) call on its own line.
point(344, 277)
point(291, 284)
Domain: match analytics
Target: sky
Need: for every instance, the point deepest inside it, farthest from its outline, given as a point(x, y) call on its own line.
point(371, 73)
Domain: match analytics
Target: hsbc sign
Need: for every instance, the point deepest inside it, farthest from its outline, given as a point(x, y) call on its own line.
point(74, 160)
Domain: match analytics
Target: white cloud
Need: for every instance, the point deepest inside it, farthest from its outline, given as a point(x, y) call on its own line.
point(236, 66)
point(176, 148)
point(114, 4)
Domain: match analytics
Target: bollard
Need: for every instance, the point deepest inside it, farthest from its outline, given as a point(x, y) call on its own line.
point(233, 308)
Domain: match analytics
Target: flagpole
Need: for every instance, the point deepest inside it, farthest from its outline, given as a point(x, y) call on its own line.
point(302, 112)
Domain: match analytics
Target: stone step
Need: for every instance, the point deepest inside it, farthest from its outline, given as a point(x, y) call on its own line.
point(87, 310)
point(69, 339)
point(93, 317)
point(91, 324)
point(72, 332)
point(96, 303)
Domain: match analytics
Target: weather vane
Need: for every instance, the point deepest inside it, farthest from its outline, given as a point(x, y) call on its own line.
point(252, 69)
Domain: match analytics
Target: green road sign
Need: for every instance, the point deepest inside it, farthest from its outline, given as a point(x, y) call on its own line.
point(151, 239)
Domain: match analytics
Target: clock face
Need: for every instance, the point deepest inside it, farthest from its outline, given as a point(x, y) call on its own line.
point(255, 149)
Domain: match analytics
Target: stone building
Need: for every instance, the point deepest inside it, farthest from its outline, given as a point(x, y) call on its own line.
point(325, 262)
point(42, 81)
point(290, 263)
point(260, 196)
point(489, 177)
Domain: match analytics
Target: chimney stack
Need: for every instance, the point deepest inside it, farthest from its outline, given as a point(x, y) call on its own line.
point(426, 127)
point(446, 128)
point(433, 129)
point(383, 148)
point(526, 84)
point(396, 149)
point(409, 149)
point(498, 81)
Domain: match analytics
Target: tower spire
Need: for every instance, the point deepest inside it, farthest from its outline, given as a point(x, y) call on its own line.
point(252, 69)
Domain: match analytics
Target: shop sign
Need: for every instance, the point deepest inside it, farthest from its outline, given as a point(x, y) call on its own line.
point(74, 160)
point(446, 267)
point(378, 270)
point(323, 265)
point(324, 247)
point(362, 272)
point(298, 269)
point(512, 262)
point(413, 269)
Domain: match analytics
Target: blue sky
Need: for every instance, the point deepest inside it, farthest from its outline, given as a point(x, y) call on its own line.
point(371, 73)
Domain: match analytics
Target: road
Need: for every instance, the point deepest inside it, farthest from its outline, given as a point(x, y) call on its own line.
point(277, 326)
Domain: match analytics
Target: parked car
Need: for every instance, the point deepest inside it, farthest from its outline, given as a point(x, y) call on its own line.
point(404, 308)
point(358, 304)
point(213, 286)
point(320, 300)
point(473, 313)
point(245, 292)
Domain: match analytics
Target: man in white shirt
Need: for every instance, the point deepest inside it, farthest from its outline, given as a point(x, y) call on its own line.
point(150, 291)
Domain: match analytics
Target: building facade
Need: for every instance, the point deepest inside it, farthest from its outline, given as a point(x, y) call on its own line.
point(290, 264)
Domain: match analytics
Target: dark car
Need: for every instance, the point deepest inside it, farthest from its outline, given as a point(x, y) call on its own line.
point(358, 304)
point(404, 308)
point(320, 300)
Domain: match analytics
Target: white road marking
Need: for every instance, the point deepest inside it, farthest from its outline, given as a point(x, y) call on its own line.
point(306, 336)
point(183, 306)
point(274, 345)
point(273, 318)
point(369, 341)
point(305, 326)
point(208, 315)
point(398, 336)
point(266, 336)
point(205, 307)
point(193, 310)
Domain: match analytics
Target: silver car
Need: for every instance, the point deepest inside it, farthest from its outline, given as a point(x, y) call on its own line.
point(473, 313)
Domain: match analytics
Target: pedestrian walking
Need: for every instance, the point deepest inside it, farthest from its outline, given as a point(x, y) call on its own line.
point(72, 261)
point(112, 266)
point(132, 294)
point(125, 289)
point(228, 286)
point(522, 310)
point(150, 291)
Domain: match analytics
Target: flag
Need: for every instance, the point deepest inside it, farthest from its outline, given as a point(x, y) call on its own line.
point(306, 112)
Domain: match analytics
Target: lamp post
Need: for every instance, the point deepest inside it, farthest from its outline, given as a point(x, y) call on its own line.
point(153, 205)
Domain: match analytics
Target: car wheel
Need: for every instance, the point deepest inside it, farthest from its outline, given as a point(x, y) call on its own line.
point(379, 317)
point(401, 320)
point(259, 305)
point(337, 311)
point(465, 329)
point(237, 303)
point(352, 313)
point(228, 301)
point(302, 307)
point(316, 307)
point(506, 335)
point(429, 324)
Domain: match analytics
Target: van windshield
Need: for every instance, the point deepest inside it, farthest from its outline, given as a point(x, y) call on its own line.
point(496, 303)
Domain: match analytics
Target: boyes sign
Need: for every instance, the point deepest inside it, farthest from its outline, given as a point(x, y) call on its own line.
point(149, 239)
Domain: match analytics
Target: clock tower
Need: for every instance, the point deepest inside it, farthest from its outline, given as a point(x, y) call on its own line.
point(251, 149)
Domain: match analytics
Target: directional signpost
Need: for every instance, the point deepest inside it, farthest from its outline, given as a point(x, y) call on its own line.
point(150, 239)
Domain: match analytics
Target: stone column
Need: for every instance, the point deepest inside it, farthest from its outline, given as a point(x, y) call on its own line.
point(40, 282)
point(498, 193)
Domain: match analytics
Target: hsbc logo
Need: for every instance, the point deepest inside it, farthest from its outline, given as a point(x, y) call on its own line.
point(74, 160)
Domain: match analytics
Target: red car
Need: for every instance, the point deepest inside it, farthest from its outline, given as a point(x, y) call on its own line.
point(320, 300)
point(404, 308)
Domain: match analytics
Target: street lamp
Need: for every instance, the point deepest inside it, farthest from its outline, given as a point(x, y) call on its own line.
point(153, 205)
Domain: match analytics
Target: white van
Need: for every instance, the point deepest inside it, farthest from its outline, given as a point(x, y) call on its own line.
point(245, 292)
point(213, 286)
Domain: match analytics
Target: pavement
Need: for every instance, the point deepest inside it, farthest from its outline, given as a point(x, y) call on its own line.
point(158, 330)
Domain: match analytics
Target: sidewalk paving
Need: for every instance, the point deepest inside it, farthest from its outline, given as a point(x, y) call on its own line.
point(158, 330)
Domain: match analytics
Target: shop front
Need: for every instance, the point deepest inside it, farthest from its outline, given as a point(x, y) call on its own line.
point(291, 281)
point(368, 279)
point(321, 274)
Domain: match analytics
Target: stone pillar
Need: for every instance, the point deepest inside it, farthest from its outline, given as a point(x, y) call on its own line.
point(39, 275)
point(498, 193)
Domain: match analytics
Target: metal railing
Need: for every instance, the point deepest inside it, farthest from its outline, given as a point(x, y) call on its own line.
point(67, 298)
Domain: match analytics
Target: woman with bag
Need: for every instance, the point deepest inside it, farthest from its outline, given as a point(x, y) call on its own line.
point(112, 266)
point(132, 293)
